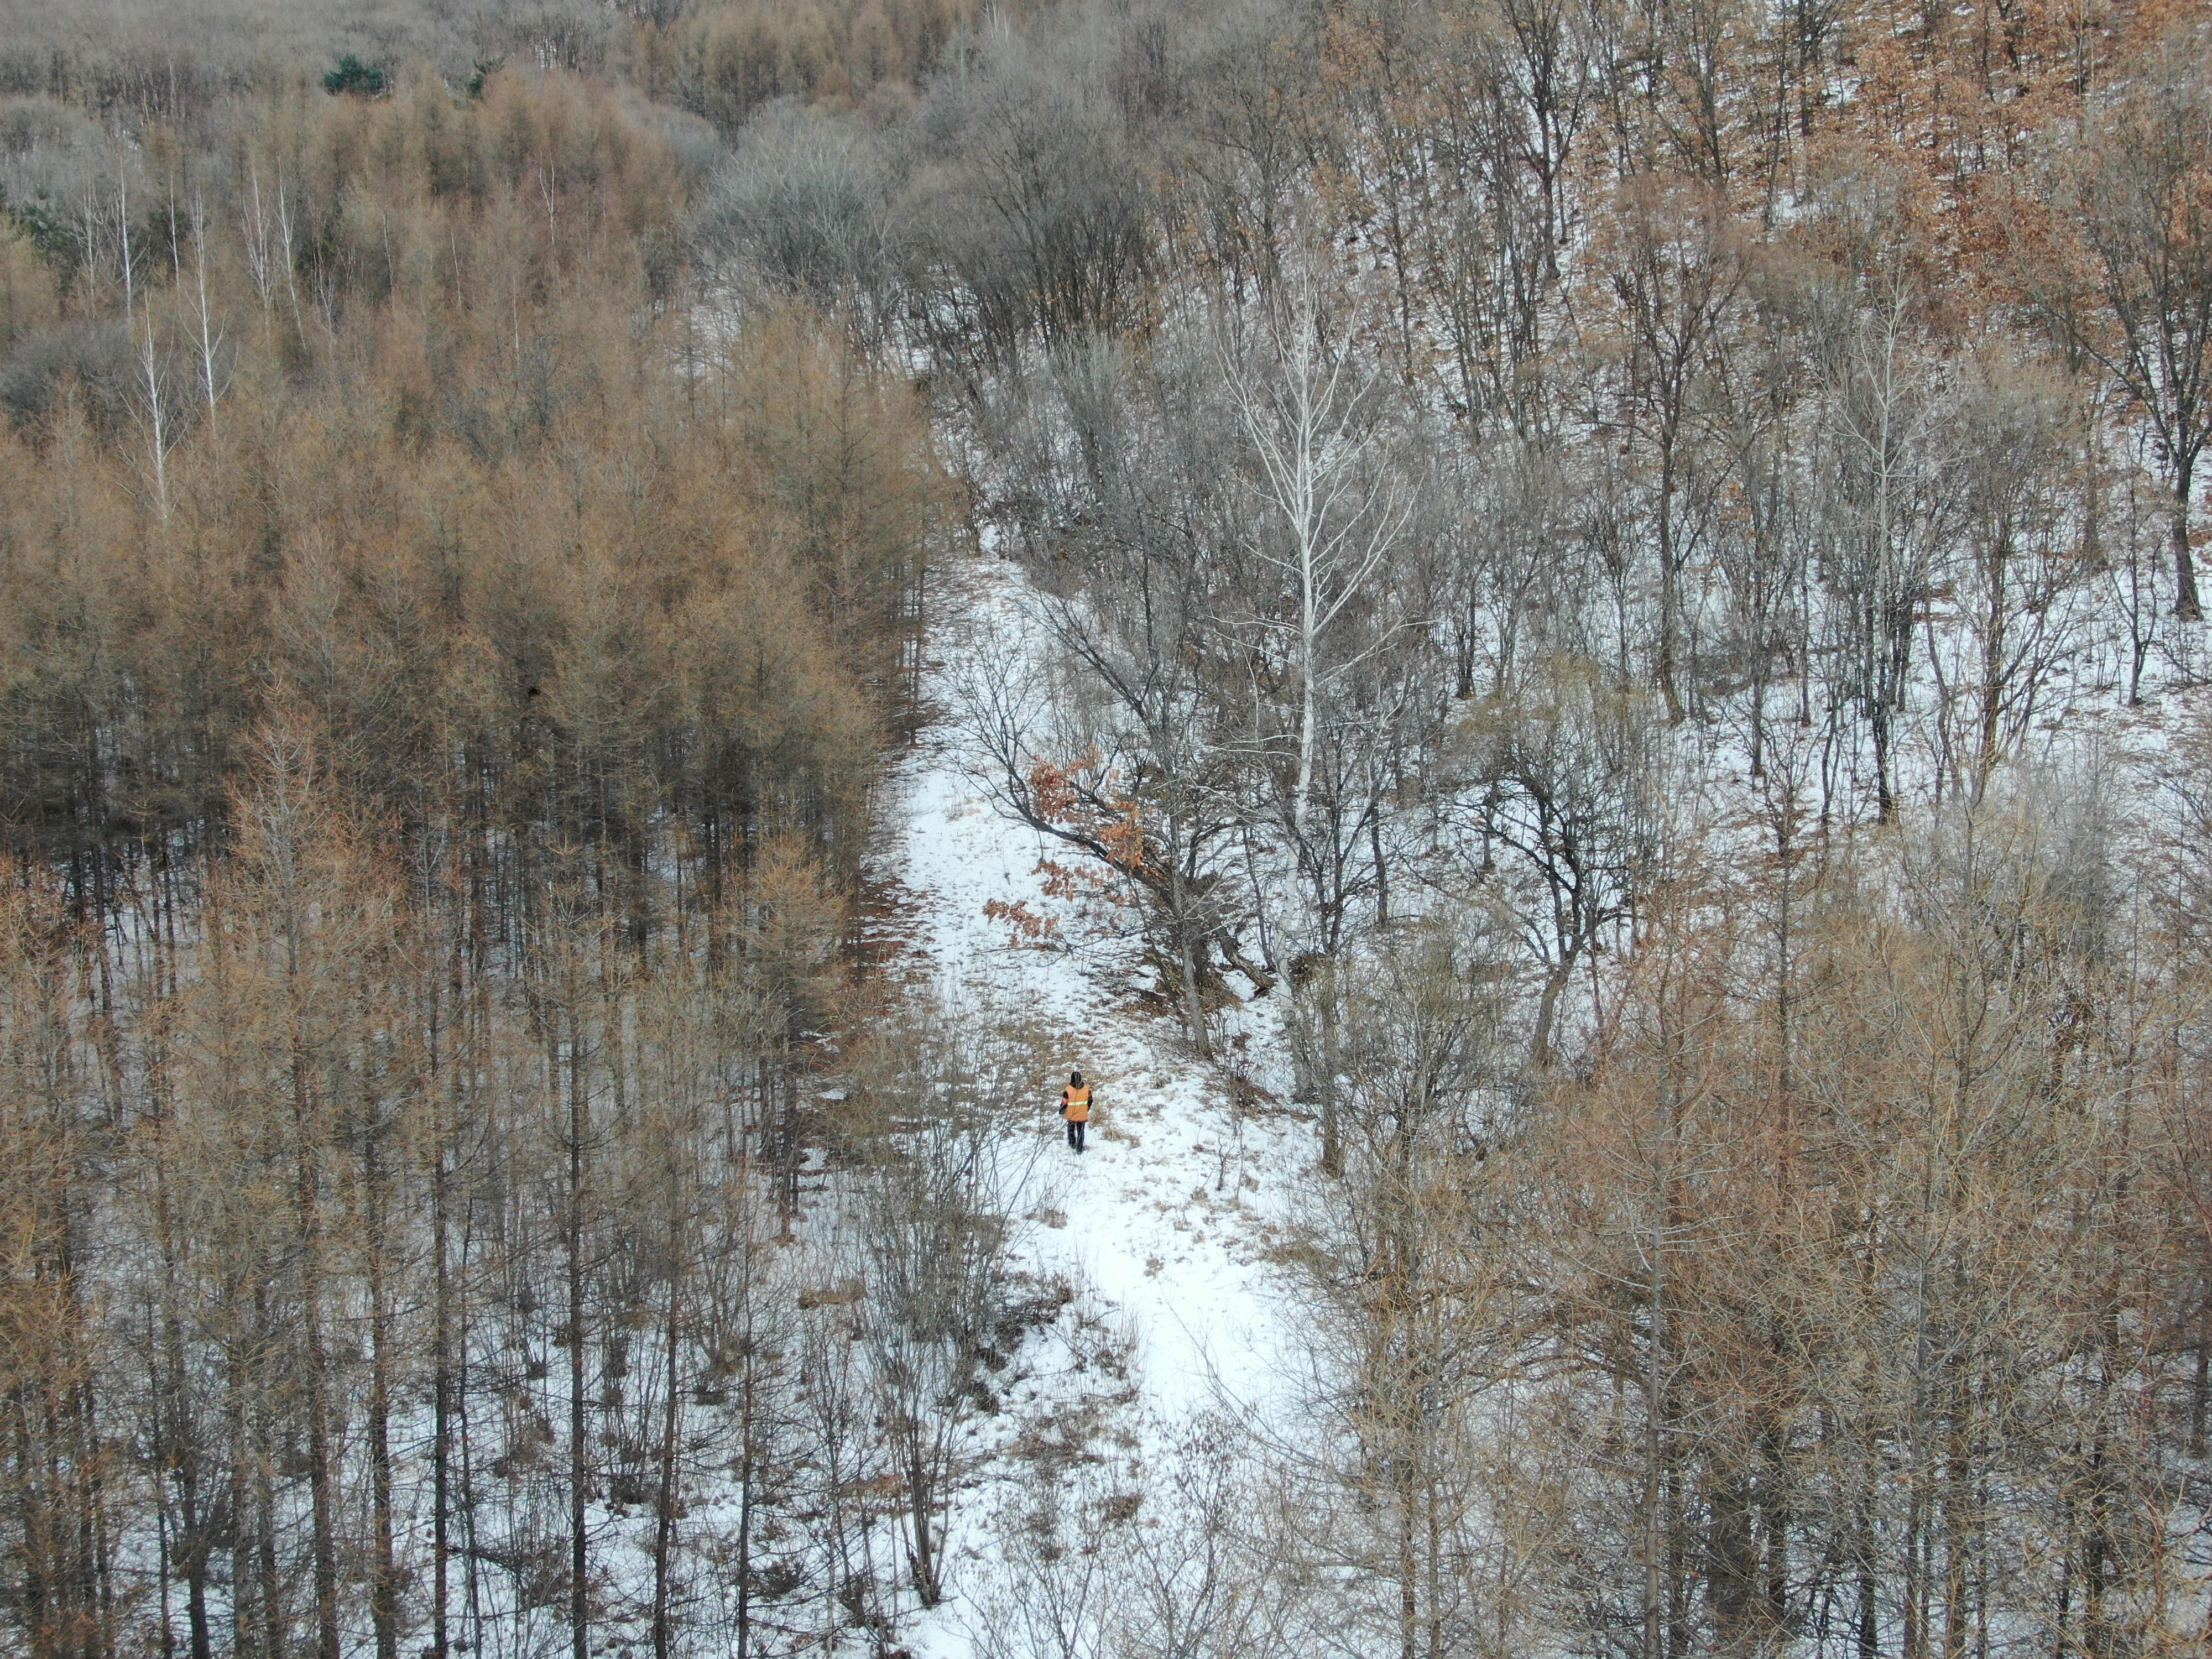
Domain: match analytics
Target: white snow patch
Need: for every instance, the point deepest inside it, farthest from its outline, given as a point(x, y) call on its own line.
point(1170, 1212)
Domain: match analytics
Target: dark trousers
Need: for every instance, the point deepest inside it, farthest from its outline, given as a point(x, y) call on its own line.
point(1075, 1133)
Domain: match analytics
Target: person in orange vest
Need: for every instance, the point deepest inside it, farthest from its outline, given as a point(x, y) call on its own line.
point(1075, 1107)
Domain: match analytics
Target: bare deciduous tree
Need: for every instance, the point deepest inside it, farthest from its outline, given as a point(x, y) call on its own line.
point(2137, 299)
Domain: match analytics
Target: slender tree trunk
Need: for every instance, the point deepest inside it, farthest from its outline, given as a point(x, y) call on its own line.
point(2185, 606)
point(1961, 1528)
point(384, 1576)
point(1408, 1563)
point(242, 1581)
point(192, 1541)
point(1993, 651)
point(921, 1505)
point(1547, 1009)
point(664, 1532)
point(270, 1591)
point(1654, 1447)
point(1670, 596)
point(307, 1203)
point(579, 1584)
point(746, 1469)
point(2201, 1385)
point(1868, 1622)
point(1332, 1128)
point(180, 1448)
point(441, 1324)
point(1309, 643)
point(1187, 948)
point(1381, 866)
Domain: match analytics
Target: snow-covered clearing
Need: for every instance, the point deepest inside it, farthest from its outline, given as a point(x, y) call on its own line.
point(1163, 1224)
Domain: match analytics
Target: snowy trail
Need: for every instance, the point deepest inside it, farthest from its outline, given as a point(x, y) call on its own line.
point(1169, 1212)
point(1145, 1224)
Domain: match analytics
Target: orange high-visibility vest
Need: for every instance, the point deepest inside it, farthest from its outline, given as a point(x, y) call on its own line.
point(1075, 1104)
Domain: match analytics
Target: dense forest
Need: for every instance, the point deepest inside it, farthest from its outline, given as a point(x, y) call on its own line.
point(1594, 602)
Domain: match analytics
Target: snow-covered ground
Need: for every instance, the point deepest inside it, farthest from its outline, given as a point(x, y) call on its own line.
point(1163, 1224)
